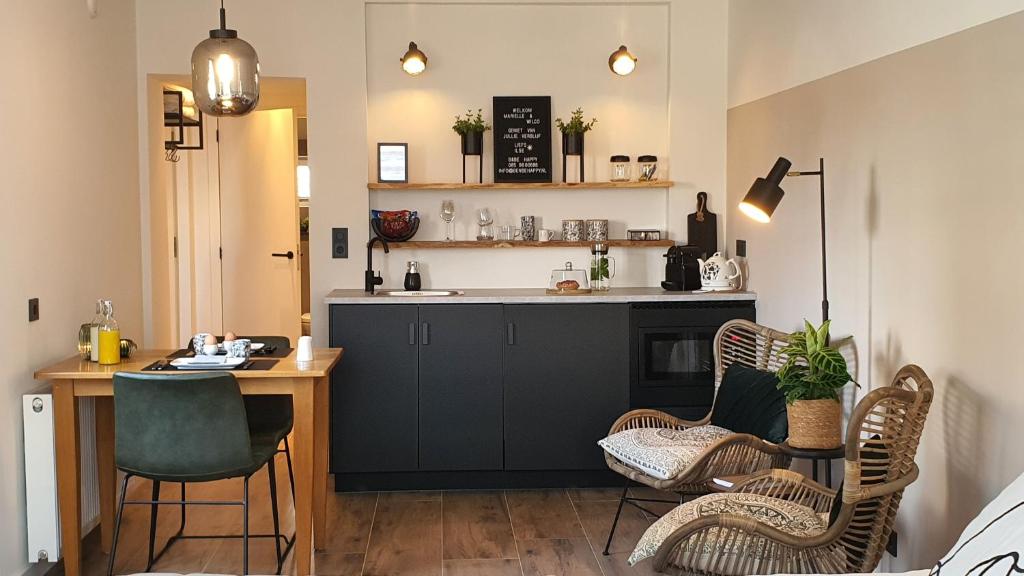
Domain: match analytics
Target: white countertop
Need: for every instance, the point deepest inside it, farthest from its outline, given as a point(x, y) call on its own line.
point(537, 296)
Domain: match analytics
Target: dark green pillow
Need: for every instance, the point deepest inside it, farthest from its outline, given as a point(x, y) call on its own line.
point(749, 402)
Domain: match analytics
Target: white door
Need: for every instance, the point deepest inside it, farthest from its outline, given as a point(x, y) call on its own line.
point(259, 224)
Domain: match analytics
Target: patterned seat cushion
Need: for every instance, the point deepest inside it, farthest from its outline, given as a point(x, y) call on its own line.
point(779, 514)
point(661, 452)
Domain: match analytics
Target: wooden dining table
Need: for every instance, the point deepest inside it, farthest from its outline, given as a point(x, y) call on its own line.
point(308, 383)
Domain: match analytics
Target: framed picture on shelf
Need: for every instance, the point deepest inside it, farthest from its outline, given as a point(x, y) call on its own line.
point(392, 162)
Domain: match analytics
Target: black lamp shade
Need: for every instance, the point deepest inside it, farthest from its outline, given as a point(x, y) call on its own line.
point(765, 194)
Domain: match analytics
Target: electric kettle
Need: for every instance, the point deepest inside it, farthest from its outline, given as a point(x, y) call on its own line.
point(714, 274)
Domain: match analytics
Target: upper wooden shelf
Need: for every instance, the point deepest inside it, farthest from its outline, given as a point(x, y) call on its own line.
point(519, 186)
point(432, 244)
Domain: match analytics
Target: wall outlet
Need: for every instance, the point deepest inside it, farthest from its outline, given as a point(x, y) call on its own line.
point(33, 309)
point(339, 242)
point(741, 248)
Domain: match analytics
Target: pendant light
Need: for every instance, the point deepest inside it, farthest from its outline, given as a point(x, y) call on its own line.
point(225, 73)
point(622, 62)
point(414, 61)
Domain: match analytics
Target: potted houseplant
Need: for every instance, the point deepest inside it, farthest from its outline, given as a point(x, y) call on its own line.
point(471, 128)
point(811, 378)
point(573, 131)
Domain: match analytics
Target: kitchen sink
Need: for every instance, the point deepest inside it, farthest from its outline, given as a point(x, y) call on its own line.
point(421, 293)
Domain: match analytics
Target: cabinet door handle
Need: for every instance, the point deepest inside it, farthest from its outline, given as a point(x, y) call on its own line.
point(425, 334)
point(412, 334)
point(510, 336)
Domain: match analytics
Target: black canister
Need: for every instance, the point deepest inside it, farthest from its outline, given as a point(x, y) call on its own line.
point(412, 277)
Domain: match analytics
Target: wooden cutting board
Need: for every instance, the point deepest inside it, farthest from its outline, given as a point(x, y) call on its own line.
point(702, 227)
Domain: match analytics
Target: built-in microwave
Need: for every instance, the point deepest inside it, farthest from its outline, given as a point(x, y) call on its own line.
point(672, 353)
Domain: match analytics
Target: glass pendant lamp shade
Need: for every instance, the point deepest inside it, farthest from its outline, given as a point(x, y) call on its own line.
point(225, 73)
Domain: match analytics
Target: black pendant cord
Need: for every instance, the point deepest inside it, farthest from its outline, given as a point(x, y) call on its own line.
point(223, 17)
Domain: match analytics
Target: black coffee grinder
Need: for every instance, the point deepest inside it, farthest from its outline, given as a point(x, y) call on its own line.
point(682, 272)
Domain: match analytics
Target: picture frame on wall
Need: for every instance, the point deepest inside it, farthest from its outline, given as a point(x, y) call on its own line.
point(393, 162)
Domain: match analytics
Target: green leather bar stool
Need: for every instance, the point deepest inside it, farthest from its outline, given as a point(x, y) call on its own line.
point(187, 428)
point(270, 414)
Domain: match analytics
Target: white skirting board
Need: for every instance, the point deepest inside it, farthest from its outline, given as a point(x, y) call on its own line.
point(43, 519)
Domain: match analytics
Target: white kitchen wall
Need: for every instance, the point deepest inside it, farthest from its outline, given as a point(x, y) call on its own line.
point(532, 52)
point(70, 218)
point(778, 44)
point(925, 205)
point(327, 42)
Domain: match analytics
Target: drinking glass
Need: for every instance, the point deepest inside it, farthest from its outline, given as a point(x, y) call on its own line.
point(485, 220)
point(448, 216)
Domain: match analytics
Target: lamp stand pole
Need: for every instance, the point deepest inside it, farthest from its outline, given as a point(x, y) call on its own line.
point(820, 173)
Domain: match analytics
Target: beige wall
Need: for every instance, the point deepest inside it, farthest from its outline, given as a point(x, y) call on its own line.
point(325, 42)
point(922, 153)
point(778, 44)
point(70, 218)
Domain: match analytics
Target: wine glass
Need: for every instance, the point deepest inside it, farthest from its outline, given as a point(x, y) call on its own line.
point(448, 216)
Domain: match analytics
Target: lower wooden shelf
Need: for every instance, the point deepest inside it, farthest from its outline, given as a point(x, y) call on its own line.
point(438, 244)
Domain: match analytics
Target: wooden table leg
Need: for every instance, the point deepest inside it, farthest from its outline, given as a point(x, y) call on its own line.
point(321, 409)
point(105, 469)
point(65, 425)
point(302, 400)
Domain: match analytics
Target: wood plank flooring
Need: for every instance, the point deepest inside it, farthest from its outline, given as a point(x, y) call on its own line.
point(450, 533)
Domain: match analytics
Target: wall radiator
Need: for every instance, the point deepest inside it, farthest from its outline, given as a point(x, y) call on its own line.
point(43, 521)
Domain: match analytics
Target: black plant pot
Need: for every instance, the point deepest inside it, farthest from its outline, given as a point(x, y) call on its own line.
point(572, 144)
point(473, 144)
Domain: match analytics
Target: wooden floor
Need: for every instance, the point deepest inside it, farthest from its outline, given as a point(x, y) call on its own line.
point(451, 533)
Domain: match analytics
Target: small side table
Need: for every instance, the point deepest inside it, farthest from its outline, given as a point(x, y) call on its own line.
point(816, 455)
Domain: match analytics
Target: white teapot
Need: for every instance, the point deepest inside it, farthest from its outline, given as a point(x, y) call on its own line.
point(714, 274)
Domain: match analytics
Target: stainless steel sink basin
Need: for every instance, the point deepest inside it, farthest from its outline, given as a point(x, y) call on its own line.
point(420, 293)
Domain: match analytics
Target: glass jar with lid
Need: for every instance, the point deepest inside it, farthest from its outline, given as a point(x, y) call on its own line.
point(619, 168)
point(602, 267)
point(648, 168)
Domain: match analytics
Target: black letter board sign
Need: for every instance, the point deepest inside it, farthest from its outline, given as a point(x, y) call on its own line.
point(522, 138)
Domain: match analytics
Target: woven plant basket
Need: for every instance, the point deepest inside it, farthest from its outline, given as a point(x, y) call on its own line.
point(815, 424)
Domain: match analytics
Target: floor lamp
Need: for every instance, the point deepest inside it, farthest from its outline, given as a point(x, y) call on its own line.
point(764, 197)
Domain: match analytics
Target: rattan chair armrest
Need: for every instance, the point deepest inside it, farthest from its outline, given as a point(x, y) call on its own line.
point(647, 418)
point(788, 485)
point(735, 455)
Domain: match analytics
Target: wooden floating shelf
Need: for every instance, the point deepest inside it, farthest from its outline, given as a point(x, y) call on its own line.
point(521, 186)
point(434, 244)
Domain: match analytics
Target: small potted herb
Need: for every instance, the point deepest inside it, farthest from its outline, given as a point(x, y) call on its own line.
point(471, 128)
point(573, 131)
point(811, 379)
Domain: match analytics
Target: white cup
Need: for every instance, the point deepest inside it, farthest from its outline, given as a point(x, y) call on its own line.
point(545, 235)
point(304, 352)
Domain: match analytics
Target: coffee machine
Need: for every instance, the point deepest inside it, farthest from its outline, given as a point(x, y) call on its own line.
point(682, 272)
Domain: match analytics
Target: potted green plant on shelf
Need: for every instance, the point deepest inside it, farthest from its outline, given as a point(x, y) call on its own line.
point(811, 378)
point(471, 128)
point(573, 131)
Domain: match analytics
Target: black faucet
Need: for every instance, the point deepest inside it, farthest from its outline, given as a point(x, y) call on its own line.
point(371, 278)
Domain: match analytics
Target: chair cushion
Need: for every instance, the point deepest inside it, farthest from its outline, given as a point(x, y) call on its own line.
point(779, 514)
point(661, 452)
point(749, 402)
point(993, 540)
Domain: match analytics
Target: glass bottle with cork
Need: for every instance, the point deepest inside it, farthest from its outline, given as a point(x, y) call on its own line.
point(94, 333)
point(109, 336)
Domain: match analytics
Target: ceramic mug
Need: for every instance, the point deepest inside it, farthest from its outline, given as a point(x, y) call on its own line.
point(529, 227)
point(509, 233)
point(597, 229)
point(572, 230)
point(197, 342)
point(304, 351)
point(239, 348)
point(545, 235)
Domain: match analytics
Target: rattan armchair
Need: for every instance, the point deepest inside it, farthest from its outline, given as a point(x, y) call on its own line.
point(881, 442)
point(737, 342)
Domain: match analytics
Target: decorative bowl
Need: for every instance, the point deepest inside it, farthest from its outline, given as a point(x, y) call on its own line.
point(395, 226)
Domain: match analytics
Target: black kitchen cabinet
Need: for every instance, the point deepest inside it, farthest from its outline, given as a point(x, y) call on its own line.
point(566, 379)
point(374, 391)
point(460, 387)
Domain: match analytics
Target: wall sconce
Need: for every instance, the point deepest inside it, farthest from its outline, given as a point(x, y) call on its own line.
point(414, 62)
point(622, 62)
